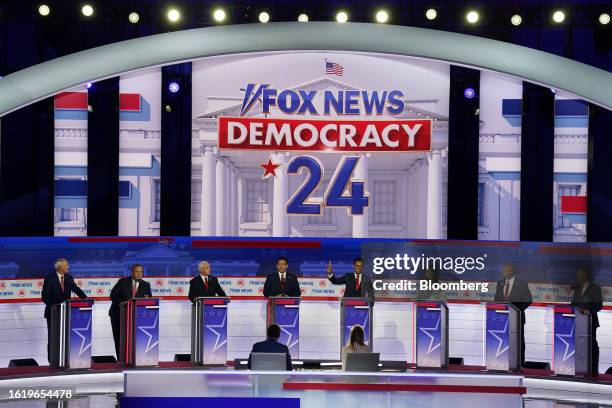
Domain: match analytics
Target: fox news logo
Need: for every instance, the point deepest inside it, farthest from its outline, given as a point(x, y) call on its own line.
point(338, 102)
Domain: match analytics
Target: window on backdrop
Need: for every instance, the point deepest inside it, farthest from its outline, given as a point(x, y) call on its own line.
point(196, 200)
point(257, 201)
point(481, 200)
point(157, 195)
point(565, 190)
point(384, 202)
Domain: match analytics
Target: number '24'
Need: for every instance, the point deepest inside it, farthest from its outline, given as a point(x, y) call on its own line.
point(334, 196)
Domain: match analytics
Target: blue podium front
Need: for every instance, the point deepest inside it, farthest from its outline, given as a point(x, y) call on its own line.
point(140, 332)
point(572, 341)
point(209, 330)
point(355, 311)
point(285, 312)
point(503, 347)
point(432, 334)
point(71, 334)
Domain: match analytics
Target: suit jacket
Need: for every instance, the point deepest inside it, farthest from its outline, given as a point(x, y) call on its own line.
point(122, 291)
point(272, 287)
point(271, 346)
point(366, 289)
point(197, 288)
point(591, 300)
point(520, 295)
point(52, 291)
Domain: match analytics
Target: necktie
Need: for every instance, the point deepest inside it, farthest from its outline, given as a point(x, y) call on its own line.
point(206, 282)
point(358, 282)
point(507, 291)
point(134, 289)
point(62, 283)
point(283, 281)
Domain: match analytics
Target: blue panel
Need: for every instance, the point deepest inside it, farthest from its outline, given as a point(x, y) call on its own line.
point(195, 402)
point(70, 203)
point(511, 107)
point(506, 175)
point(570, 177)
point(70, 170)
point(571, 121)
point(132, 201)
point(70, 188)
point(70, 114)
point(571, 107)
point(125, 189)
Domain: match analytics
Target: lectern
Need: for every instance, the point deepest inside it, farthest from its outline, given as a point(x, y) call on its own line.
point(503, 342)
point(285, 312)
point(432, 334)
point(139, 332)
point(355, 311)
point(70, 343)
point(572, 341)
point(209, 330)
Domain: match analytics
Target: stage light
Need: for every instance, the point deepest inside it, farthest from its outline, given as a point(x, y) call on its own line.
point(134, 17)
point(382, 16)
point(87, 10)
point(472, 17)
point(516, 20)
point(604, 18)
point(89, 84)
point(469, 92)
point(342, 17)
point(431, 14)
point(303, 18)
point(174, 87)
point(264, 17)
point(44, 10)
point(558, 16)
point(174, 15)
point(219, 15)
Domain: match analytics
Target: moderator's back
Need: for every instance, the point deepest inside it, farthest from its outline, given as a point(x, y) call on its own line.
point(362, 361)
point(269, 361)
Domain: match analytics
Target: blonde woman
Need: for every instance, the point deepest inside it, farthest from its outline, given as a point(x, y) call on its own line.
point(356, 344)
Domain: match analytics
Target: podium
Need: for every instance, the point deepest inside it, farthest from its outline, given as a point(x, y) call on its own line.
point(431, 334)
point(355, 311)
point(209, 330)
point(503, 343)
point(572, 341)
point(285, 312)
point(139, 332)
point(70, 343)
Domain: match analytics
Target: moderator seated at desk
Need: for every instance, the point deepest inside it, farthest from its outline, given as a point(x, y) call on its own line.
point(271, 345)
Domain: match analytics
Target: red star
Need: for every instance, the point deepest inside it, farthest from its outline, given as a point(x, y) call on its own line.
point(269, 168)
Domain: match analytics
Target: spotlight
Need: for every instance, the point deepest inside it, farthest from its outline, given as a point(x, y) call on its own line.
point(44, 10)
point(89, 84)
point(472, 17)
point(604, 18)
point(558, 16)
point(134, 17)
point(382, 16)
point(219, 15)
point(264, 17)
point(342, 17)
point(303, 18)
point(174, 15)
point(469, 92)
point(516, 20)
point(431, 14)
point(87, 10)
point(174, 87)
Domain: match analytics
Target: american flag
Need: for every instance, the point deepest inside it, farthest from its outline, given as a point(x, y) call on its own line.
point(332, 68)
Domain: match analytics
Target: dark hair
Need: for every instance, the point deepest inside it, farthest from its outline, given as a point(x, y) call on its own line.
point(357, 337)
point(282, 258)
point(273, 331)
point(136, 266)
point(358, 259)
point(587, 271)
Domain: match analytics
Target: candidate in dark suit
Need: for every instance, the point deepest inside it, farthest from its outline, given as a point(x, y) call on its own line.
point(271, 345)
point(58, 286)
point(512, 289)
point(204, 284)
point(126, 289)
point(357, 284)
point(588, 296)
point(281, 282)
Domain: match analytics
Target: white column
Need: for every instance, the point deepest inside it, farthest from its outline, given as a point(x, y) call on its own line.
point(209, 181)
point(279, 198)
point(360, 222)
point(434, 197)
point(221, 197)
point(234, 201)
point(239, 206)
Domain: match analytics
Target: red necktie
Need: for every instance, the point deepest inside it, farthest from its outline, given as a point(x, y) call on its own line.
point(358, 282)
point(507, 291)
point(62, 283)
point(283, 281)
point(134, 289)
point(206, 282)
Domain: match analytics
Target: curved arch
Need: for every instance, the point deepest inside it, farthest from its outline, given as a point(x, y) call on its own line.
point(42, 80)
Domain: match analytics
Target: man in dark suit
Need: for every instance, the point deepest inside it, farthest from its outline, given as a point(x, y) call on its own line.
point(58, 286)
point(124, 290)
point(281, 282)
point(512, 289)
point(588, 296)
point(204, 284)
point(271, 345)
point(357, 284)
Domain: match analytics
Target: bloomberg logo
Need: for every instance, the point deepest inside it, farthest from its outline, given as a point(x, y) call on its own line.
point(337, 102)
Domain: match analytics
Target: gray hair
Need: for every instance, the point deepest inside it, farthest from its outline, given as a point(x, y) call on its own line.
point(203, 263)
point(59, 261)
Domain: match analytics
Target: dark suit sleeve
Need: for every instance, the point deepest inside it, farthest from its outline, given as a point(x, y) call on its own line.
point(75, 288)
point(115, 294)
point(593, 301)
point(289, 364)
point(596, 300)
point(499, 297)
point(267, 288)
point(296, 288)
point(45, 292)
point(370, 289)
point(148, 292)
point(218, 289)
point(525, 296)
point(191, 295)
point(337, 281)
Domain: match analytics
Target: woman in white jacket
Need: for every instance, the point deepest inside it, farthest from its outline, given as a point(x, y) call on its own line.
point(356, 344)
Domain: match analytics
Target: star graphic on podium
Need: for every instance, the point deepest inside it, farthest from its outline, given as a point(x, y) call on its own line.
point(363, 325)
point(568, 345)
point(212, 328)
point(269, 168)
point(494, 333)
point(289, 335)
point(426, 330)
point(145, 329)
point(83, 338)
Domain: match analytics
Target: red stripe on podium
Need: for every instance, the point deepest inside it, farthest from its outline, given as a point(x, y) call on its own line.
point(287, 301)
point(497, 307)
point(240, 243)
point(481, 389)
